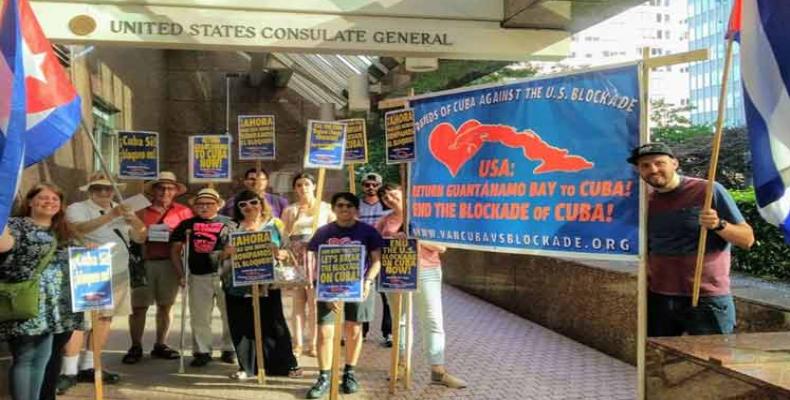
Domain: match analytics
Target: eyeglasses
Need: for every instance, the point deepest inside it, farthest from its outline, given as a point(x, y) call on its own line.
point(100, 188)
point(251, 203)
point(205, 205)
point(370, 184)
point(344, 205)
point(256, 179)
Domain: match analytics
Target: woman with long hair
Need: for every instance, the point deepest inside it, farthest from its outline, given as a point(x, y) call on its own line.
point(299, 220)
point(39, 237)
point(428, 298)
point(254, 214)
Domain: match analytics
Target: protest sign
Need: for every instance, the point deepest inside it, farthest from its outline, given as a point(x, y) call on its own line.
point(535, 167)
point(256, 137)
point(90, 272)
point(399, 265)
point(399, 130)
point(326, 141)
point(138, 155)
point(356, 141)
point(253, 262)
point(209, 159)
point(340, 272)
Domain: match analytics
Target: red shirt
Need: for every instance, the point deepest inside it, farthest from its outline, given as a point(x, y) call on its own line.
point(172, 217)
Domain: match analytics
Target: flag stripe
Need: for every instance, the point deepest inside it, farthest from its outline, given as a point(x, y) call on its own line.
point(774, 20)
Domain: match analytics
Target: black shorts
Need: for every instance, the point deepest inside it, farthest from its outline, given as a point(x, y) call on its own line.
point(354, 312)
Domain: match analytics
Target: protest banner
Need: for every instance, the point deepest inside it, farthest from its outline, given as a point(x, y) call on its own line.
point(400, 136)
point(209, 159)
point(90, 272)
point(256, 137)
point(253, 262)
point(325, 144)
point(356, 141)
point(399, 265)
point(340, 272)
point(138, 155)
point(535, 166)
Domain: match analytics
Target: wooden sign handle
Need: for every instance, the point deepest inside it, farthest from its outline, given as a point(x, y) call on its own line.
point(336, 353)
point(256, 310)
point(98, 383)
point(396, 338)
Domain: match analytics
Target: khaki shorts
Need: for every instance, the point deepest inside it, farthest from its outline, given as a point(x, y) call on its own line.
point(121, 297)
point(352, 312)
point(162, 287)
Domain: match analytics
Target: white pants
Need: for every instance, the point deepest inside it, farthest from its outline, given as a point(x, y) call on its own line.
point(204, 290)
point(428, 304)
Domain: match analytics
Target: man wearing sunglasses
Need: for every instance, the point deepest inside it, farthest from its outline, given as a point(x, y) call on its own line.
point(345, 230)
point(371, 209)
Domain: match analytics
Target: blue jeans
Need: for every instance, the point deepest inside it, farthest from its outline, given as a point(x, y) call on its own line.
point(30, 356)
point(674, 315)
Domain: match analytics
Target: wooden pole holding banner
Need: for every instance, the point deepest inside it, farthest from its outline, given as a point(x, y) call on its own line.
point(184, 299)
point(352, 179)
point(714, 160)
point(404, 180)
point(641, 292)
point(256, 309)
point(97, 368)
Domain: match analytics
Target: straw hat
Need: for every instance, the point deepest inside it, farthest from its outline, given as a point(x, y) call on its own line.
point(208, 193)
point(99, 179)
point(165, 177)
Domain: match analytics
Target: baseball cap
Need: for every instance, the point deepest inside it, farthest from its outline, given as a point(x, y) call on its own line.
point(649, 149)
point(372, 177)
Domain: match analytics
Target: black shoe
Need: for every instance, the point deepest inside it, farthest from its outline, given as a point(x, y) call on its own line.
point(133, 356)
point(164, 351)
point(387, 342)
point(320, 388)
point(87, 375)
point(65, 382)
point(200, 359)
point(228, 357)
point(350, 384)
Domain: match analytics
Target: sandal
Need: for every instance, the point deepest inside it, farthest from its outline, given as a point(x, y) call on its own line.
point(297, 350)
point(164, 351)
point(313, 352)
point(295, 373)
point(133, 356)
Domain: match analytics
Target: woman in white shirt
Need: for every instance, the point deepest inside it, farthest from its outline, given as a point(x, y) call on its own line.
point(300, 223)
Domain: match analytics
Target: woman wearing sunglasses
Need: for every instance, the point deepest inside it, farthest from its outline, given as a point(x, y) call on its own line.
point(253, 214)
point(298, 219)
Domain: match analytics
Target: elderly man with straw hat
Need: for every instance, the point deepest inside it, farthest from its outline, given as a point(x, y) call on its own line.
point(161, 217)
point(208, 239)
point(101, 221)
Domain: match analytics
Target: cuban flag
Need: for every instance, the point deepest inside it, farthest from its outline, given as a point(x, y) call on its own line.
point(765, 72)
point(39, 109)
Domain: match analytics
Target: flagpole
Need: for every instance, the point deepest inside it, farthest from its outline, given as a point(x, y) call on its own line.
point(714, 159)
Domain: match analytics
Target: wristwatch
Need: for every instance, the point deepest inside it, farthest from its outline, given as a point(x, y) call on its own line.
point(721, 225)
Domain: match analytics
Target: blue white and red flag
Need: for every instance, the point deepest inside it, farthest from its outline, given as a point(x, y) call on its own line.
point(765, 71)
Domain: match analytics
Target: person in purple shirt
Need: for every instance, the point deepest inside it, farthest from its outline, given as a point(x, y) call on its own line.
point(257, 180)
point(347, 229)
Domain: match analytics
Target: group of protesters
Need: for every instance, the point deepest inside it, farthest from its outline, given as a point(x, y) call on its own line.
point(53, 351)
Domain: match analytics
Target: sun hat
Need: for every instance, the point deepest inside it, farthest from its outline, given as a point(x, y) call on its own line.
point(99, 179)
point(208, 193)
point(165, 177)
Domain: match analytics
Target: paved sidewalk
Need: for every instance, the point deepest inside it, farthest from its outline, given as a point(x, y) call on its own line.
point(500, 355)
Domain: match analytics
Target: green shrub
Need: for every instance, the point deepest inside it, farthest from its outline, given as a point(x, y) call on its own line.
point(770, 256)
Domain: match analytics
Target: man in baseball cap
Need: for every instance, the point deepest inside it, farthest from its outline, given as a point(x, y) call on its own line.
point(675, 215)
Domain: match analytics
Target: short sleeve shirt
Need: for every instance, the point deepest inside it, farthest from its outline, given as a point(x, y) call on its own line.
point(359, 233)
point(172, 217)
point(207, 238)
point(106, 234)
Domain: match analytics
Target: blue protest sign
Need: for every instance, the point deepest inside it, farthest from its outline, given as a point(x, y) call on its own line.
point(256, 137)
point(356, 141)
point(400, 136)
point(325, 145)
point(138, 155)
point(536, 166)
point(90, 273)
point(209, 158)
point(399, 265)
point(340, 272)
point(253, 262)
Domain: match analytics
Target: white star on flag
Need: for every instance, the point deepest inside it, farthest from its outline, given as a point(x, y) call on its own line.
point(33, 62)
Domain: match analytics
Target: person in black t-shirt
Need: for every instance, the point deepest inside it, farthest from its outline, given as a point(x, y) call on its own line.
point(208, 237)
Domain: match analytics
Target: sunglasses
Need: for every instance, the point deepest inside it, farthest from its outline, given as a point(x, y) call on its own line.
point(370, 184)
point(204, 205)
point(251, 203)
point(344, 205)
point(100, 188)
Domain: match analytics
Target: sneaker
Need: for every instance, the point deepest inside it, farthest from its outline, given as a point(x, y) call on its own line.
point(228, 357)
point(387, 342)
point(133, 355)
point(241, 376)
point(164, 351)
point(350, 384)
point(448, 380)
point(200, 359)
point(87, 376)
point(65, 382)
point(319, 389)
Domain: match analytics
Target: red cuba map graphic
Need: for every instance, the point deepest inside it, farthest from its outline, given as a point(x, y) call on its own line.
point(453, 148)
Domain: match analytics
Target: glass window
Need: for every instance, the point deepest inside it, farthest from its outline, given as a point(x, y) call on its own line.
point(105, 136)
